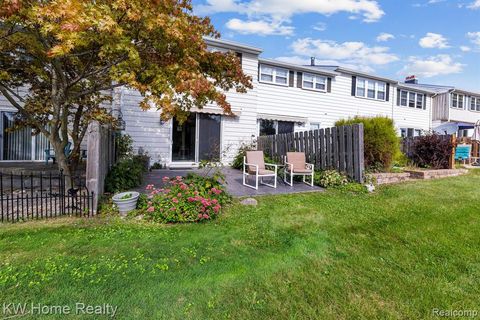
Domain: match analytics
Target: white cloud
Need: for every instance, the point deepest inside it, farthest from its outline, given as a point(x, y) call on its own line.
point(434, 40)
point(370, 10)
point(382, 37)
point(321, 26)
point(474, 38)
point(465, 48)
point(354, 53)
point(259, 27)
point(475, 5)
point(441, 64)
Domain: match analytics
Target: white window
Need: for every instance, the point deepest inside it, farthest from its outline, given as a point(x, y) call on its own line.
point(412, 99)
point(419, 101)
point(457, 101)
point(314, 82)
point(410, 132)
point(371, 89)
point(474, 103)
point(274, 75)
point(360, 88)
point(315, 126)
point(404, 98)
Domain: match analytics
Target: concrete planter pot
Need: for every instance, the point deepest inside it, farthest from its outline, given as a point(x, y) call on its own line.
point(126, 201)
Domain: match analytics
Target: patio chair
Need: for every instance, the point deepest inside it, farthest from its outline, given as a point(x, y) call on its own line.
point(254, 165)
point(50, 153)
point(296, 165)
point(463, 153)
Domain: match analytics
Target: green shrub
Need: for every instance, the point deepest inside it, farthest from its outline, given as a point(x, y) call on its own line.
point(126, 174)
point(193, 199)
point(380, 141)
point(330, 179)
point(124, 146)
point(238, 160)
point(432, 151)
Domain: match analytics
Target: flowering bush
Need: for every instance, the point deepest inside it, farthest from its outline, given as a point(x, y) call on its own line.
point(192, 199)
point(330, 178)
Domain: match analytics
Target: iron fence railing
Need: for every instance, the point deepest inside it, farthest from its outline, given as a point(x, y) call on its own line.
point(42, 196)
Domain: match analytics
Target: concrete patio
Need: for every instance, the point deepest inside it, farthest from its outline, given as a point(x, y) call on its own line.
point(234, 183)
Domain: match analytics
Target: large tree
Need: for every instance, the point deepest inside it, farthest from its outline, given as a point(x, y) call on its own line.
point(71, 54)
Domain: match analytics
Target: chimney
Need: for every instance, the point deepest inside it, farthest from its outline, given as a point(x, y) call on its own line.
point(411, 79)
point(312, 61)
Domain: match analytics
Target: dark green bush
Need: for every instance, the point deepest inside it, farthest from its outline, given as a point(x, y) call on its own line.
point(126, 174)
point(380, 139)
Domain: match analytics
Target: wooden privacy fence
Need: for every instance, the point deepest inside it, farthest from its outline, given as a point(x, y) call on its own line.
point(337, 148)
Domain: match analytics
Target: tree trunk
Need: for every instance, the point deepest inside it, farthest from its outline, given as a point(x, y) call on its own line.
point(62, 160)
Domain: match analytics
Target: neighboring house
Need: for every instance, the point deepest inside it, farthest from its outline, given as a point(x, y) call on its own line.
point(285, 98)
point(453, 110)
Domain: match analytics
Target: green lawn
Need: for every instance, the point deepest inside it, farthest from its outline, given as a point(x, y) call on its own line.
point(395, 254)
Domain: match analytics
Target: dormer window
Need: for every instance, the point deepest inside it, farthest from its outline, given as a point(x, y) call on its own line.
point(274, 75)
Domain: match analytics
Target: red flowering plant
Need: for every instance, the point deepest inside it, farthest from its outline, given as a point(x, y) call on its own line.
point(191, 199)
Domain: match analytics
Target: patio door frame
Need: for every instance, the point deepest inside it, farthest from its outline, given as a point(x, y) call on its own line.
point(2, 142)
point(197, 142)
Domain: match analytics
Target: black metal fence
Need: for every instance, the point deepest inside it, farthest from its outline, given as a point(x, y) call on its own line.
point(42, 196)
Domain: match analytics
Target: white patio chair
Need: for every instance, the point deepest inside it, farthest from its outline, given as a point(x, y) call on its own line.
point(254, 165)
point(296, 165)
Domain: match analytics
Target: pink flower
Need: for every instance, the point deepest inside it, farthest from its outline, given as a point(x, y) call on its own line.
point(150, 209)
point(179, 194)
point(179, 178)
point(206, 216)
point(175, 200)
point(190, 199)
point(200, 216)
point(149, 187)
point(214, 201)
point(166, 179)
point(217, 208)
point(216, 191)
point(196, 193)
point(149, 203)
point(173, 209)
point(183, 187)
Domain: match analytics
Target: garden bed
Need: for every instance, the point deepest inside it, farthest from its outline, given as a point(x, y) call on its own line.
point(390, 177)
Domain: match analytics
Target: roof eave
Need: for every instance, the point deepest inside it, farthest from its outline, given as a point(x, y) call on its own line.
point(298, 67)
point(232, 45)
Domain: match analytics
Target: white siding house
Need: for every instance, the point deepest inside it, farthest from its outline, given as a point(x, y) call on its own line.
point(285, 98)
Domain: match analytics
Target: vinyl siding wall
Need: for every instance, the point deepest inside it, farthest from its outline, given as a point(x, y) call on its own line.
point(155, 137)
point(320, 107)
point(406, 117)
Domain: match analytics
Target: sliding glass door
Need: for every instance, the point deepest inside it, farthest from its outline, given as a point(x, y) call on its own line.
point(20, 145)
point(197, 139)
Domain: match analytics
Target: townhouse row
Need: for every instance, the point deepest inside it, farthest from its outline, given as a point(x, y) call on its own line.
point(285, 98)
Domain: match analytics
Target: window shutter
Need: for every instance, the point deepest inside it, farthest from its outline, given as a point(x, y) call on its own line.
point(354, 85)
point(258, 78)
point(299, 79)
point(329, 84)
point(291, 79)
point(398, 97)
point(239, 56)
point(424, 102)
point(387, 97)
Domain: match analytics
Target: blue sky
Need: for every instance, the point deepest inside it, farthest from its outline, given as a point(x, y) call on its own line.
point(436, 40)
